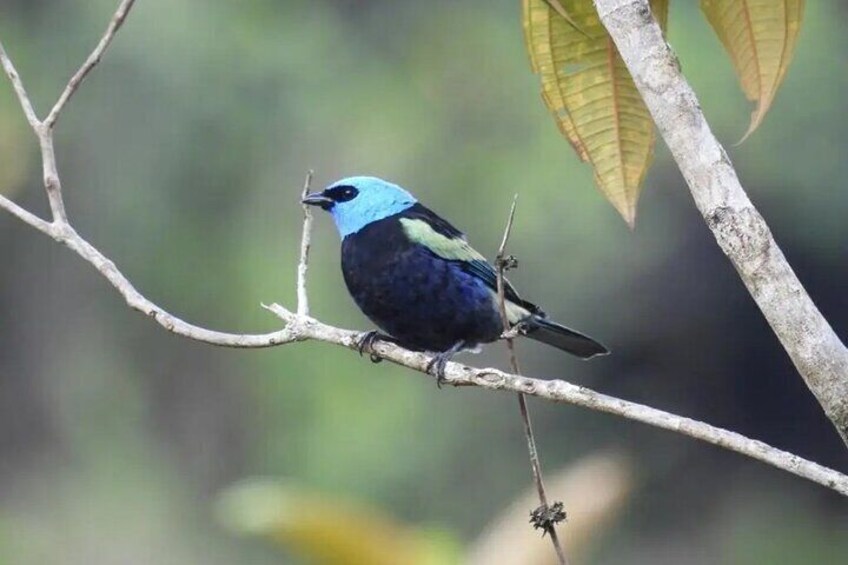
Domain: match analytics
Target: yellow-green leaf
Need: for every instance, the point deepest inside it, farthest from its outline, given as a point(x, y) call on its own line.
point(587, 87)
point(325, 529)
point(760, 36)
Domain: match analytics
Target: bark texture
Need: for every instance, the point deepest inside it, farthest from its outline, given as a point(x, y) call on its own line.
point(743, 235)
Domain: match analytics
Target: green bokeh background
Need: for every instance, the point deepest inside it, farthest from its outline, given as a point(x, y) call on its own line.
point(182, 157)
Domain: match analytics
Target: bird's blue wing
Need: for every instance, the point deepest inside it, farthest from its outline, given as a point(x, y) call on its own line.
point(437, 235)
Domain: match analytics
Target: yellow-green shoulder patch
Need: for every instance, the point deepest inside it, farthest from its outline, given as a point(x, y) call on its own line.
point(451, 248)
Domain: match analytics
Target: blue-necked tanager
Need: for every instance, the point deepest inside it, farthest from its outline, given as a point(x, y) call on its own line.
point(417, 278)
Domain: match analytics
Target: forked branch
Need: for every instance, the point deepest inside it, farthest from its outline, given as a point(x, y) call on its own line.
point(114, 25)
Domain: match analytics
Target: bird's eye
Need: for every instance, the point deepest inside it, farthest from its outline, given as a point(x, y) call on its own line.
point(342, 193)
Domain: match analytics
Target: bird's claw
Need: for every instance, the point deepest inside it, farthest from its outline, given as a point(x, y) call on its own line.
point(366, 341)
point(438, 363)
point(436, 367)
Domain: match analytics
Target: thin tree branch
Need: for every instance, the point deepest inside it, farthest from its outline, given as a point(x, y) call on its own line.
point(135, 300)
point(52, 183)
point(741, 232)
point(563, 392)
point(302, 328)
point(543, 513)
point(20, 91)
point(26, 216)
point(305, 244)
point(501, 263)
point(114, 25)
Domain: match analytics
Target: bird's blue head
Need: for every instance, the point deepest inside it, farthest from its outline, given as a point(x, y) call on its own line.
point(355, 202)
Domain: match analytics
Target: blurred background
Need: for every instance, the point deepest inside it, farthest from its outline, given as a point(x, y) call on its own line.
point(182, 157)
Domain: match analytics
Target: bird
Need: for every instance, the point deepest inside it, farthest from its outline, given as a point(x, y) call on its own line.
point(416, 277)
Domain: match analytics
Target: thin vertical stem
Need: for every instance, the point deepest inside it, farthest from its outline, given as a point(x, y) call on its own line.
point(549, 525)
point(305, 244)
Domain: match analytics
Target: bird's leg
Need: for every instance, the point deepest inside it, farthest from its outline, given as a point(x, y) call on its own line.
point(437, 365)
point(366, 341)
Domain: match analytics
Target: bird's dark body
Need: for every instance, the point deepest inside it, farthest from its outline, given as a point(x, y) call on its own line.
point(417, 278)
point(424, 301)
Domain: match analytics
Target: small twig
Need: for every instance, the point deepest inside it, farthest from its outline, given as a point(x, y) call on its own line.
point(500, 265)
point(505, 238)
point(543, 517)
point(20, 91)
point(114, 25)
point(26, 216)
point(305, 244)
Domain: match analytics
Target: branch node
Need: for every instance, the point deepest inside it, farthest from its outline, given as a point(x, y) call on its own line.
point(283, 313)
point(51, 181)
point(61, 231)
point(547, 516)
point(506, 263)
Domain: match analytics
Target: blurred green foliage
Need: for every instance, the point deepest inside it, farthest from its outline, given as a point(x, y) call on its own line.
point(181, 158)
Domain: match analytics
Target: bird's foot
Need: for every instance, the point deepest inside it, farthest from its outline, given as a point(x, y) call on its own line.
point(437, 364)
point(366, 341)
point(436, 367)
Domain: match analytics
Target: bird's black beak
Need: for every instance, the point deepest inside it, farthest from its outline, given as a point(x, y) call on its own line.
point(318, 199)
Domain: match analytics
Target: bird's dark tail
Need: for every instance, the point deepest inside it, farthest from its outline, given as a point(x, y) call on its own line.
point(544, 330)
